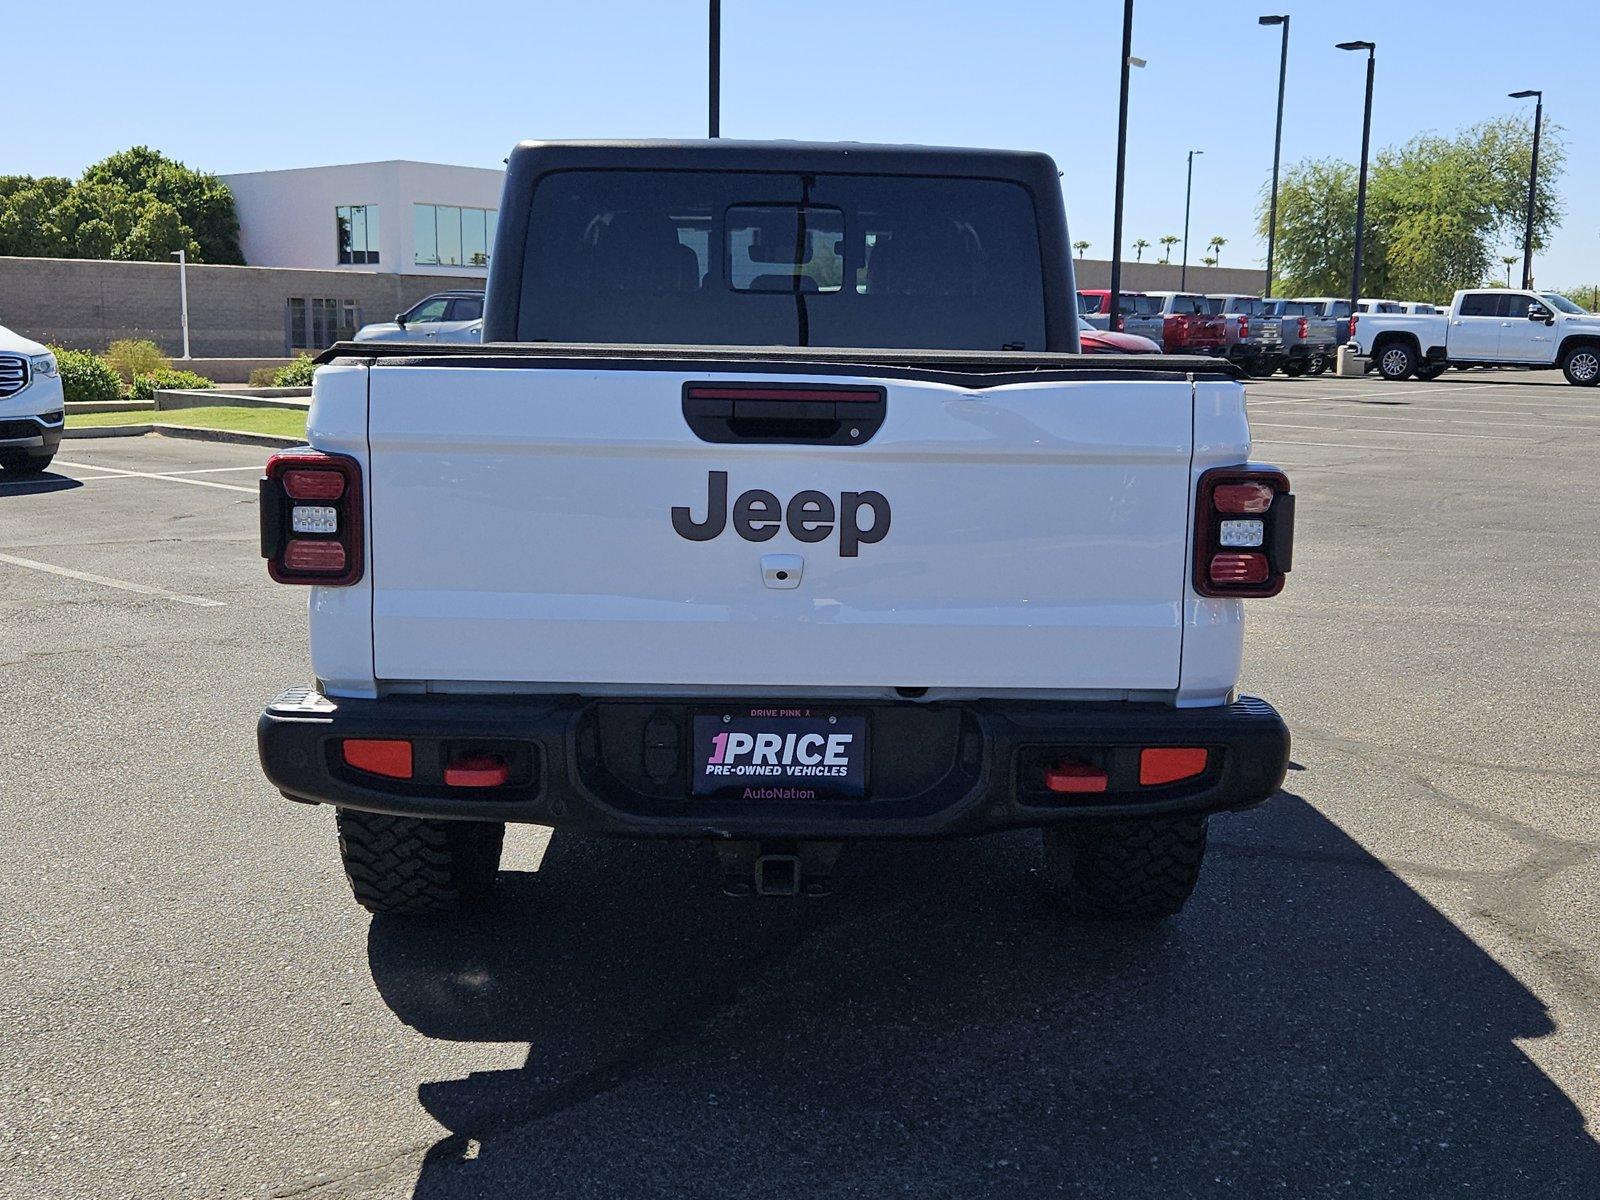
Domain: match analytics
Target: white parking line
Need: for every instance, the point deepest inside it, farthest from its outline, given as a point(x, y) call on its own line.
point(1333, 445)
point(1481, 437)
point(169, 477)
point(1370, 395)
point(120, 584)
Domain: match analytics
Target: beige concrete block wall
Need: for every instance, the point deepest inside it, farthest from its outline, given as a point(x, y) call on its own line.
point(1150, 276)
point(234, 312)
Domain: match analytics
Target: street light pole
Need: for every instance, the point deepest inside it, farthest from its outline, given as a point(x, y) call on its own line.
point(1188, 194)
point(1533, 185)
point(1114, 308)
point(1361, 188)
point(715, 114)
point(183, 295)
point(1277, 141)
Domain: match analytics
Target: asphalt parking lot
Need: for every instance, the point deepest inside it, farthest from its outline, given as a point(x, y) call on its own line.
point(1387, 983)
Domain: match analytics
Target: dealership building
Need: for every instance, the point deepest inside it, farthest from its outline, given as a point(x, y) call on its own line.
point(410, 218)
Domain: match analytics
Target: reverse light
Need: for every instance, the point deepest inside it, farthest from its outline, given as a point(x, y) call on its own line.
point(314, 518)
point(1243, 531)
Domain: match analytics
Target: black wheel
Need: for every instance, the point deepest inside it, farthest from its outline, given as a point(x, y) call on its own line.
point(1429, 371)
point(1581, 366)
point(1396, 361)
point(1295, 368)
point(1319, 364)
point(22, 466)
point(1125, 869)
point(407, 865)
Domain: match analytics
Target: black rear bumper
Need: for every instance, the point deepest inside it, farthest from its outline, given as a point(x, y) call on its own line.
point(621, 766)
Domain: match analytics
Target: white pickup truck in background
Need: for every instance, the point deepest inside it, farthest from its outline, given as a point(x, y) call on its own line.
point(777, 510)
point(1484, 327)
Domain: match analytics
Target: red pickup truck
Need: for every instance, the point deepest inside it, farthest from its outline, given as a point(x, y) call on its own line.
point(1188, 326)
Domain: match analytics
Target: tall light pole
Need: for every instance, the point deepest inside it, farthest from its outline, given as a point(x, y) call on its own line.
point(715, 115)
point(1114, 308)
point(183, 295)
point(1277, 141)
point(1188, 194)
point(1533, 185)
point(1361, 187)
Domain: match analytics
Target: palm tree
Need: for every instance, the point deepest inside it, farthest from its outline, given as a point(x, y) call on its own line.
point(1510, 261)
point(1215, 245)
point(1167, 243)
point(1209, 260)
point(1139, 247)
point(1080, 247)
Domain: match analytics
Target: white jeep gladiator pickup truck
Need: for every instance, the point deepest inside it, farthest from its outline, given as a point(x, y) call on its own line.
point(777, 510)
point(1484, 327)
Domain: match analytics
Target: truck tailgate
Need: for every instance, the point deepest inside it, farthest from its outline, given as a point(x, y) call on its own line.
point(522, 533)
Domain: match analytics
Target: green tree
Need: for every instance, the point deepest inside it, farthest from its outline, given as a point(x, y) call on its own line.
point(1167, 243)
point(1215, 245)
point(27, 216)
point(1080, 247)
point(1139, 247)
point(203, 202)
point(1437, 209)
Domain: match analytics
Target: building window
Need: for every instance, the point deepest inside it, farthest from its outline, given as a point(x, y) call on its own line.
point(315, 323)
point(448, 236)
point(357, 230)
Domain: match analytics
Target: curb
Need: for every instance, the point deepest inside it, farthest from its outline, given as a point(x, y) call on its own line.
point(270, 440)
point(100, 431)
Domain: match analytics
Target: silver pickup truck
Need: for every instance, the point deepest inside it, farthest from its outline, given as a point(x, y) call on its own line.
point(1253, 339)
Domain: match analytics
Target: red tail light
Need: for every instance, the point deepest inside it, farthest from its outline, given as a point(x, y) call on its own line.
point(1122, 323)
point(1069, 777)
point(1304, 328)
point(311, 518)
point(1353, 319)
point(1243, 531)
point(1244, 328)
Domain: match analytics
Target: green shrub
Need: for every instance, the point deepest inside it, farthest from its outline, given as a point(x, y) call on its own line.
point(263, 376)
point(131, 359)
point(144, 386)
point(86, 376)
point(296, 374)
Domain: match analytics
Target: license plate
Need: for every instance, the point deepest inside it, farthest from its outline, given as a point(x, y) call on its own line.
point(780, 754)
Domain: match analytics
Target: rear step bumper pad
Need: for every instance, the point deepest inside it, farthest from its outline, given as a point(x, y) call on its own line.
point(989, 772)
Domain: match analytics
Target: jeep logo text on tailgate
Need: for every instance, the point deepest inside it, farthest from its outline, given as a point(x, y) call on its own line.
point(810, 516)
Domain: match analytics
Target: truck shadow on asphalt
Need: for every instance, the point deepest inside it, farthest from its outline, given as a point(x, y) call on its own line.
point(1309, 1025)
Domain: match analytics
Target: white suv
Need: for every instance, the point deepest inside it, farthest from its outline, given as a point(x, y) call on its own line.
point(32, 408)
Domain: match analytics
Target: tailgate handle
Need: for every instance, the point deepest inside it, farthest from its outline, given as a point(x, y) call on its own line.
point(796, 414)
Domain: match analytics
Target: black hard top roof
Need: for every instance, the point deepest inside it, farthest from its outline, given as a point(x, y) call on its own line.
point(733, 154)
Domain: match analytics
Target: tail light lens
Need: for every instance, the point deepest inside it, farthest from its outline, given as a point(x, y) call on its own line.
point(311, 518)
point(1304, 328)
point(1122, 323)
point(1243, 531)
point(1353, 319)
point(1244, 327)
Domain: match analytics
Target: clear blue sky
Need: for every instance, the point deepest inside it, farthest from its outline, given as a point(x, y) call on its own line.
point(262, 86)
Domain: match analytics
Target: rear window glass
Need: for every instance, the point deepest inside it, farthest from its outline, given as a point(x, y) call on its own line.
point(1090, 304)
point(744, 258)
point(1248, 305)
point(1141, 306)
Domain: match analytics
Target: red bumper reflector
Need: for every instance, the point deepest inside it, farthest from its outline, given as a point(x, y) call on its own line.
point(1239, 568)
point(379, 756)
point(1068, 776)
point(301, 554)
point(480, 772)
point(313, 485)
point(1168, 764)
point(1235, 498)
